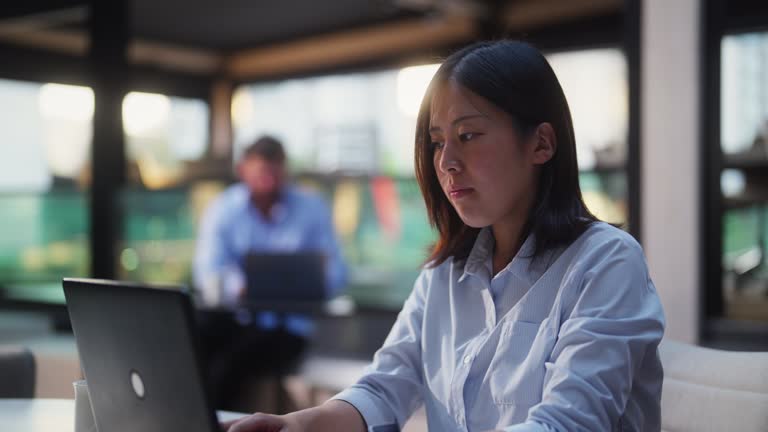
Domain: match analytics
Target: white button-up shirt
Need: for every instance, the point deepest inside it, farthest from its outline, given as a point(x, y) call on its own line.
point(564, 342)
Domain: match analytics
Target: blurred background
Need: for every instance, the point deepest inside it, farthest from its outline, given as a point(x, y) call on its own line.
point(120, 120)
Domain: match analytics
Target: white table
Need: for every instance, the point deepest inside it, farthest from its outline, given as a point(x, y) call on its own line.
point(50, 415)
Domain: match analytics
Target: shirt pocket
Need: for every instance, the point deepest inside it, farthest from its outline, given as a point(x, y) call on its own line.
point(517, 369)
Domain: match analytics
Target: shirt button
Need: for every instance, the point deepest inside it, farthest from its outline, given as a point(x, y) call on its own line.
point(467, 359)
point(459, 420)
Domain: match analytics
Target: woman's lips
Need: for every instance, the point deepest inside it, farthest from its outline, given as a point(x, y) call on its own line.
point(457, 193)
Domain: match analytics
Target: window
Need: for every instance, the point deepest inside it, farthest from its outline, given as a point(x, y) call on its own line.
point(45, 141)
point(351, 137)
point(743, 181)
point(167, 139)
point(360, 123)
point(595, 84)
point(163, 135)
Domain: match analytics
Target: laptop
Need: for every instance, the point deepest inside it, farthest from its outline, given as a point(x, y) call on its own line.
point(297, 277)
point(138, 351)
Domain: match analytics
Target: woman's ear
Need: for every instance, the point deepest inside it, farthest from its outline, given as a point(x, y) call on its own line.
point(545, 144)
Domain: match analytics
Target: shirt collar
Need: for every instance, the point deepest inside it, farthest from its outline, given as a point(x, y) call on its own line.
point(279, 210)
point(523, 266)
point(475, 264)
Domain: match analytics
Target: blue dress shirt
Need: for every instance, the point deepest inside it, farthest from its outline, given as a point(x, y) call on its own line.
point(232, 227)
point(565, 342)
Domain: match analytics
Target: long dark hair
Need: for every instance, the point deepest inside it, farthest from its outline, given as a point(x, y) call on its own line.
point(517, 78)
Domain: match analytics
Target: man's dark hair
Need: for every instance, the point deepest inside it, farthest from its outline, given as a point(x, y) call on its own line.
point(266, 147)
point(515, 77)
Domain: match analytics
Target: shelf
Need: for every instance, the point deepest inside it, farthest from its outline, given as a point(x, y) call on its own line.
point(745, 162)
point(744, 201)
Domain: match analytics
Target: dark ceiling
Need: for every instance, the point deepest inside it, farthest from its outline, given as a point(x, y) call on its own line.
point(245, 39)
point(223, 25)
point(236, 24)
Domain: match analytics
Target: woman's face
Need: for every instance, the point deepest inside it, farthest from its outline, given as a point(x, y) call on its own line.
point(485, 167)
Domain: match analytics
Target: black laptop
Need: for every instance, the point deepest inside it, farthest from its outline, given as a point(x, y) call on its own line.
point(138, 351)
point(296, 277)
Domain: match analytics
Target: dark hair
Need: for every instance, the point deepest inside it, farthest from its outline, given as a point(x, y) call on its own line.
point(266, 147)
point(517, 78)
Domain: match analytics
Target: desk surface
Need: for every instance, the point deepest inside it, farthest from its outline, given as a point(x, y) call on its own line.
point(50, 415)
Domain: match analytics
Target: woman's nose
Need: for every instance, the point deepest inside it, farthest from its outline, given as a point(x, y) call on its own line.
point(449, 159)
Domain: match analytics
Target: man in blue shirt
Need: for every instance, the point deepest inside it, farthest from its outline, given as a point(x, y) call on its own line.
point(261, 213)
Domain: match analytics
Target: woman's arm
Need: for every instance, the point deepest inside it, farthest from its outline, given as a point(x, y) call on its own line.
point(392, 387)
point(332, 416)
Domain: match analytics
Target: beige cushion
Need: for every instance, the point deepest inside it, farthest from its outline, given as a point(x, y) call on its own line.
point(713, 390)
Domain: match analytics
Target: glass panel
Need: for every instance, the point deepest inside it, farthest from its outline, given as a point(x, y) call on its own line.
point(595, 85)
point(605, 195)
point(159, 232)
point(744, 95)
point(164, 135)
point(45, 140)
point(744, 184)
point(166, 142)
point(745, 273)
point(360, 123)
point(383, 228)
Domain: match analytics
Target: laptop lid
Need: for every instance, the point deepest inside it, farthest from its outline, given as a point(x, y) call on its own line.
point(138, 352)
point(285, 277)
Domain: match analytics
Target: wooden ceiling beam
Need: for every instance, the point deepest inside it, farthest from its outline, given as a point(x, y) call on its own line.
point(529, 14)
point(350, 47)
point(140, 52)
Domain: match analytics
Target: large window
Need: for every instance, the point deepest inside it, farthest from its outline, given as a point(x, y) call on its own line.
point(744, 179)
point(45, 147)
point(595, 85)
point(45, 141)
point(356, 123)
point(167, 139)
point(163, 135)
point(351, 136)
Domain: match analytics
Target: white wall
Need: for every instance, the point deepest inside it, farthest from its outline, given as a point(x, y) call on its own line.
point(670, 151)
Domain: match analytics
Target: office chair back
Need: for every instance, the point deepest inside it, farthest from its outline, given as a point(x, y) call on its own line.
point(17, 372)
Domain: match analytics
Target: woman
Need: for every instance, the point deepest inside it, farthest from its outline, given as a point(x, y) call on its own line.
point(531, 315)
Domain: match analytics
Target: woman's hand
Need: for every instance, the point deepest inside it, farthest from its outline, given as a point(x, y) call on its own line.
point(263, 423)
point(331, 416)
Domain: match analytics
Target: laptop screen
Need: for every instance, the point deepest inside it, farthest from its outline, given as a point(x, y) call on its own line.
point(138, 350)
point(285, 277)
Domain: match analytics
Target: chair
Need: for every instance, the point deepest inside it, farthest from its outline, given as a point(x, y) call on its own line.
point(17, 372)
point(713, 390)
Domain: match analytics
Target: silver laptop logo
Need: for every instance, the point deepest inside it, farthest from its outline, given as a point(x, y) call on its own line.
point(138, 384)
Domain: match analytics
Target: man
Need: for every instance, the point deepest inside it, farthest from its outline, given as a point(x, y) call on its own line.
point(262, 213)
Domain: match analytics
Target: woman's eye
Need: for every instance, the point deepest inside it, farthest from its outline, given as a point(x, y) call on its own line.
point(467, 136)
point(437, 145)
